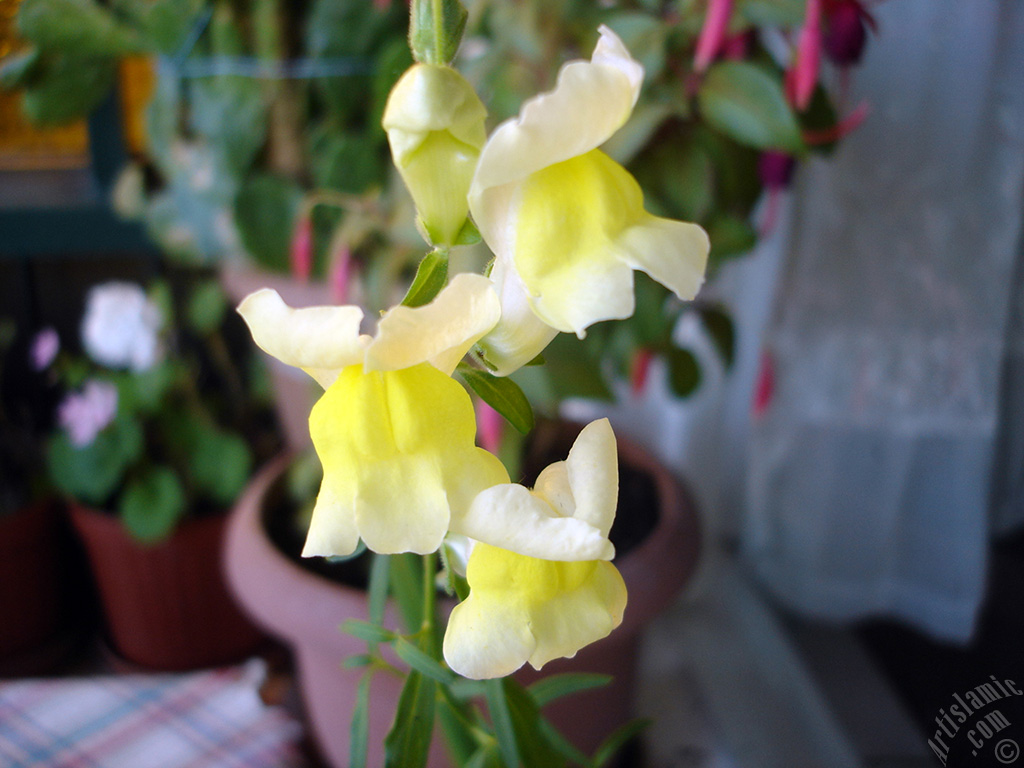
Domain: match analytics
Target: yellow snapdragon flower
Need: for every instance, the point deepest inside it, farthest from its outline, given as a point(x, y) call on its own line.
point(394, 432)
point(524, 608)
point(435, 126)
point(565, 221)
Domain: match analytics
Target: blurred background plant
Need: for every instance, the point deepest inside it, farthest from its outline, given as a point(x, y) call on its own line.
point(263, 140)
point(158, 421)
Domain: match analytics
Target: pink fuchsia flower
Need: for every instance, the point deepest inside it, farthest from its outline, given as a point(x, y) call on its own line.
point(712, 34)
point(45, 347)
point(83, 415)
point(802, 77)
point(845, 31)
point(121, 327)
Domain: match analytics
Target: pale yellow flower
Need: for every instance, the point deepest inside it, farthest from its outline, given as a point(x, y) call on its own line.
point(565, 221)
point(394, 431)
point(544, 590)
point(435, 125)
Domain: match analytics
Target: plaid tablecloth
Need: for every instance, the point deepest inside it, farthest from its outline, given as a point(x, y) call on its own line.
point(212, 719)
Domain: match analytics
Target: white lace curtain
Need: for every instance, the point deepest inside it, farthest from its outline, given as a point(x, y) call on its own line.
point(871, 472)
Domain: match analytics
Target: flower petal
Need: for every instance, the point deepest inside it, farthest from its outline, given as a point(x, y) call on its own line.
point(320, 340)
point(440, 332)
point(398, 455)
point(488, 637)
point(569, 219)
point(593, 474)
point(524, 609)
point(519, 335)
point(511, 517)
point(591, 101)
point(674, 253)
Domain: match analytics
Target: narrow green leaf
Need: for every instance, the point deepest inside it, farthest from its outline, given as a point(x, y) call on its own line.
point(501, 718)
point(562, 745)
point(358, 661)
point(360, 726)
point(611, 746)
point(459, 732)
point(378, 592)
point(683, 372)
point(553, 687)
point(408, 743)
point(422, 662)
point(502, 394)
point(431, 277)
point(407, 588)
point(536, 751)
point(371, 633)
point(745, 102)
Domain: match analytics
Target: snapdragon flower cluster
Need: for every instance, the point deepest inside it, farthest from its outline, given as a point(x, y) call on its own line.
point(396, 433)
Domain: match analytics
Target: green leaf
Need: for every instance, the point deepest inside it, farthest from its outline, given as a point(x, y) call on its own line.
point(265, 211)
point(611, 746)
point(378, 592)
point(207, 306)
point(730, 236)
point(501, 719)
point(220, 464)
point(364, 630)
point(574, 371)
point(435, 39)
point(152, 505)
point(683, 372)
point(360, 724)
point(407, 588)
point(358, 661)
point(65, 87)
point(772, 13)
point(348, 161)
point(408, 743)
point(502, 394)
point(468, 235)
point(722, 331)
point(166, 23)
point(562, 745)
point(230, 113)
point(745, 102)
point(431, 277)
point(459, 732)
point(646, 34)
point(536, 751)
point(553, 687)
point(81, 28)
point(422, 662)
point(92, 473)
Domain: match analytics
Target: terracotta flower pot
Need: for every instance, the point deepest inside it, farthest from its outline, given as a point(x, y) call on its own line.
point(166, 606)
point(35, 610)
point(306, 610)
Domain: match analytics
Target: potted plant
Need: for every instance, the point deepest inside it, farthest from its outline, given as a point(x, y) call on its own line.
point(38, 610)
point(157, 435)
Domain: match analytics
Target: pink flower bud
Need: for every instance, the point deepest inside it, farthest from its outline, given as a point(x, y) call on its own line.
point(302, 249)
point(845, 32)
point(712, 34)
point(802, 77)
point(340, 275)
point(776, 169)
point(640, 371)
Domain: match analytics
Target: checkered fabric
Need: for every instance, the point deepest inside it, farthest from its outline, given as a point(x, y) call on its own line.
point(212, 719)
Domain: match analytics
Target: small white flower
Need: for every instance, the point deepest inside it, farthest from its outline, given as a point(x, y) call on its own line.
point(121, 327)
point(84, 414)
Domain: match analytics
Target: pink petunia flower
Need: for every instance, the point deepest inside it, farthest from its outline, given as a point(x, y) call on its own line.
point(83, 415)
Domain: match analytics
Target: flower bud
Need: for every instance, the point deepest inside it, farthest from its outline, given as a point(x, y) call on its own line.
point(435, 125)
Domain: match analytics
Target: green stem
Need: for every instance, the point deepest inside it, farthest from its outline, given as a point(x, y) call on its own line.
point(429, 601)
point(437, 9)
